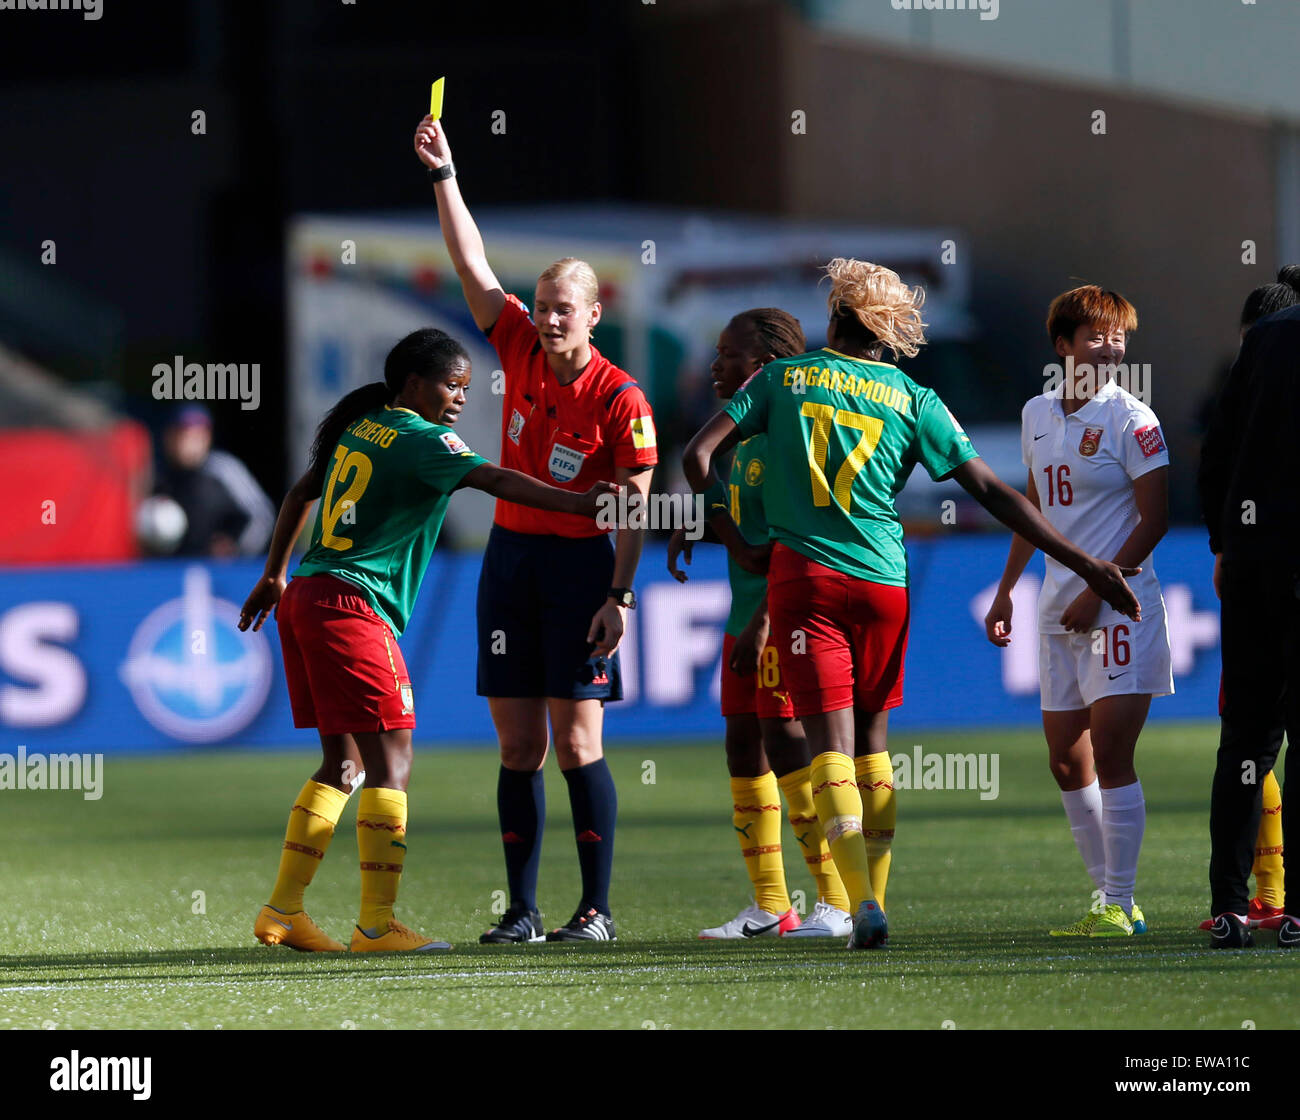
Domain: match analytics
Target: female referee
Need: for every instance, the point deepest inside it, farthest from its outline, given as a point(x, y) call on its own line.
point(385, 462)
point(1099, 471)
point(553, 593)
point(845, 430)
point(766, 748)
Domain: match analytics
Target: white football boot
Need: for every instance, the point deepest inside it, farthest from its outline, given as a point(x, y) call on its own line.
point(752, 922)
point(824, 921)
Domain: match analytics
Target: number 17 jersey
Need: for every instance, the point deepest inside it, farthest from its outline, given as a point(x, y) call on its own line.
point(844, 434)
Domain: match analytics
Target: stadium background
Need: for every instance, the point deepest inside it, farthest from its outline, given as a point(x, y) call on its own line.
point(919, 128)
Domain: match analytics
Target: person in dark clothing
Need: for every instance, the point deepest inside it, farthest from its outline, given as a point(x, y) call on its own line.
point(1249, 462)
point(227, 512)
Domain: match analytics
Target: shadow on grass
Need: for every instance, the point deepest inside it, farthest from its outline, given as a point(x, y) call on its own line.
point(950, 956)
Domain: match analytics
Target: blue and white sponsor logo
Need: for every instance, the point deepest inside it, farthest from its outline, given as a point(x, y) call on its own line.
point(190, 671)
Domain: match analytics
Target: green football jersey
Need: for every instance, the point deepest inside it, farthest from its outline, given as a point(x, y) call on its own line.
point(746, 496)
point(385, 496)
point(843, 436)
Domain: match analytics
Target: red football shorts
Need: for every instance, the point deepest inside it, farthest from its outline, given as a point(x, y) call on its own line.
point(761, 692)
point(841, 640)
point(344, 670)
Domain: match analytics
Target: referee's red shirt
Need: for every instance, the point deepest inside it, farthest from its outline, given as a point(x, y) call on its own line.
point(570, 436)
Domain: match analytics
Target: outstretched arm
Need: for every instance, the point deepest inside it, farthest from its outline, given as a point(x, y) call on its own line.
point(513, 486)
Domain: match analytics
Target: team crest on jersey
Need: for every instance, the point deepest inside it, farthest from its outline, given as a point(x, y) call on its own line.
point(565, 463)
point(454, 443)
point(516, 426)
point(754, 472)
point(1091, 441)
point(408, 700)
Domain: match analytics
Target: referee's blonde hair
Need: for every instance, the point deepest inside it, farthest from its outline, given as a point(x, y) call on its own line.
point(577, 272)
point(872, 303)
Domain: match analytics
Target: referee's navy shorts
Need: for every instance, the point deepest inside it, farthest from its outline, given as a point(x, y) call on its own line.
point(536, 598)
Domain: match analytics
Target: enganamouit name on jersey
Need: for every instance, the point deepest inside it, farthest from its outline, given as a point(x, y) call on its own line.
point(802, 378)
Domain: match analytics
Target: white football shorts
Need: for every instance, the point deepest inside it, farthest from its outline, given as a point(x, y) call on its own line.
point(1127, 658)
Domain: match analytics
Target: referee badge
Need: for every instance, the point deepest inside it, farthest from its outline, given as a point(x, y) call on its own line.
point(1091, 441)
point(565, 463)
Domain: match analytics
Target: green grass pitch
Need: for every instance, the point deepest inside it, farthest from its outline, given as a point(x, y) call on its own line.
point(100, 925)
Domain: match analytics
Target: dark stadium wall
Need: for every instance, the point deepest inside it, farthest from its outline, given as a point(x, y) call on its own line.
point(1157, 208)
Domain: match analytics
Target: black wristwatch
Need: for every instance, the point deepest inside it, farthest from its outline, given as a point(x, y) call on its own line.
point(438, 174)
point(624, 597)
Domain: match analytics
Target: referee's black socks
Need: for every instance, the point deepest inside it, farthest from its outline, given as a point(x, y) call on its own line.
point(595, 807)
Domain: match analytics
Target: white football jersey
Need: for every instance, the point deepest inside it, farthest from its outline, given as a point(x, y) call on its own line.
point(1083, 466)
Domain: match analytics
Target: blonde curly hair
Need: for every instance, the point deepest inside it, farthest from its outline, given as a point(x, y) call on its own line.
point(874, 299)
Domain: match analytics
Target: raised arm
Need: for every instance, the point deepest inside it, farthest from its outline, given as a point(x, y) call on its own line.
point(483, 290)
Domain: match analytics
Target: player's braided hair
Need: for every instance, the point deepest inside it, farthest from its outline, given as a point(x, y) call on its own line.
point(1268, 298)
point(776, 332)
point(870, 305)
point(427, 352)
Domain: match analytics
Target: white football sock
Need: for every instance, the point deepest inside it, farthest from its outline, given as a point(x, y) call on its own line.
point(1083, 811)
point(1123, 820)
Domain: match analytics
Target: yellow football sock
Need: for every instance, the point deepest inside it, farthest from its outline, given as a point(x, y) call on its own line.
point(812, 840)
point(1268, 846)
point(756, 816)
point(875, 775)
point(381, 843)
point(839, 808)
point(315, 812)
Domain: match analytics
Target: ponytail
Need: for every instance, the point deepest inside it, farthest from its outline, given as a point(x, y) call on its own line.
point(337, 421)
point(1268, 298)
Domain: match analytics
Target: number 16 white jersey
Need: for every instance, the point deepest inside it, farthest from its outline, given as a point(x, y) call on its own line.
point(1084, 465)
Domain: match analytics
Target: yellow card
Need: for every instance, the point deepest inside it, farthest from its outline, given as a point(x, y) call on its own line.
point(435, 99)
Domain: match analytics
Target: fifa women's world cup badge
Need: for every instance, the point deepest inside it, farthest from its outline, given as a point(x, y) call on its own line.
point(1091, 441)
